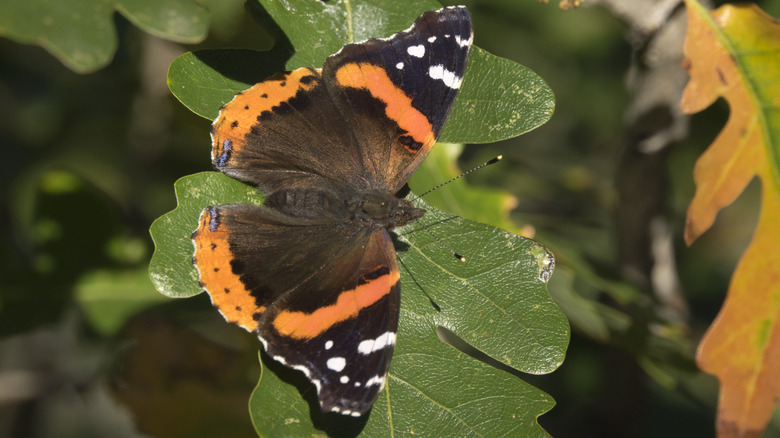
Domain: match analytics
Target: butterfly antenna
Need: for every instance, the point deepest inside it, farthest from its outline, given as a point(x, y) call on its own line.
point(486, 163)
point(454, 254)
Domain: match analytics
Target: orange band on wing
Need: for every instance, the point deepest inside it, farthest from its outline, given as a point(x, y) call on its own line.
point(399, 105)
point(212, 259)
point(237, 117)
point(301, 325)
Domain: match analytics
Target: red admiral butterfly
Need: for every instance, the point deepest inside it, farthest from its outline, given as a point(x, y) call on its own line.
point(313, 272)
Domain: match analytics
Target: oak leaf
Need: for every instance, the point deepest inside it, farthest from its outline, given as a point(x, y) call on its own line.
point(734, 53)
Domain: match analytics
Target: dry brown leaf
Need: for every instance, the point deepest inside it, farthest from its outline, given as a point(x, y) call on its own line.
point(734, 53)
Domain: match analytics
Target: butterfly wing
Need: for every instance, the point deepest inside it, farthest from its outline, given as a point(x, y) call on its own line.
point(404, 87)
point(285, 132)
point(248, 256)
point(343, 341)
point(335, 320)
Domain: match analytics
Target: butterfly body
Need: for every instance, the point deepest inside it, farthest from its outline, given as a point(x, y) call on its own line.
point(368, 210)
point(313, 271)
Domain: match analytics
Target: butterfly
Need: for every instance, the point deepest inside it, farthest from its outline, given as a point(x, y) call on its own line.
point(313, 271)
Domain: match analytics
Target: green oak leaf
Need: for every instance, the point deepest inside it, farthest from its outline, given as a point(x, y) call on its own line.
point(496, 301)
point(171, 268)
point(499, 98)
point(204, 80)
point(81, 33)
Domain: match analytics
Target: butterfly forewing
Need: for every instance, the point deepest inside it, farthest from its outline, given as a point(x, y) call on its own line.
point(405, 87)
point(285, 132)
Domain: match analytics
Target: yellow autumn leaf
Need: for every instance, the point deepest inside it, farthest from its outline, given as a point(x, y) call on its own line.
point(734, 53)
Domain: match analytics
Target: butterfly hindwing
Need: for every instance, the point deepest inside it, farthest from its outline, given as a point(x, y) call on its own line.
point(342, 341)
point(213, 259)
point(335, 321)
point(249, 256)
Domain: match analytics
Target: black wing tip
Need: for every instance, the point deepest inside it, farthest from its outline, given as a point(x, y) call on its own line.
point(450, 13)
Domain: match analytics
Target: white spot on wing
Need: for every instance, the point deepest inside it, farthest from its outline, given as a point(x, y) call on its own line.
point(376, 380)
point(431, 39)
point(370, 345)
point(281, 360)
point(306, 371)
point(344, 379)
point(328, 345)
point(300, 368)
point(449, 78)
point(399, 66)
point(464, 43)
point(336, 363)
point(416, 51)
